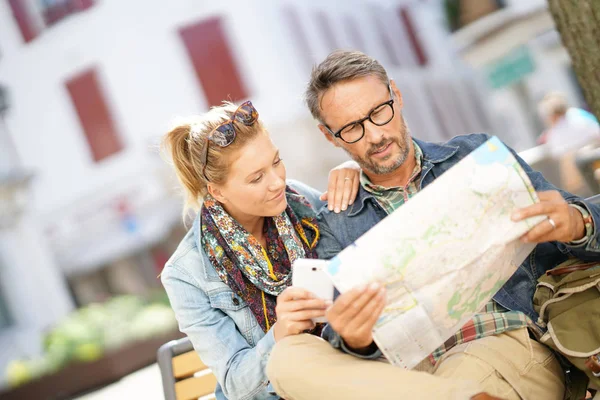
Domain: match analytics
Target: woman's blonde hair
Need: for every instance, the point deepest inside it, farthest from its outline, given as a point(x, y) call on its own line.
point(184, 144)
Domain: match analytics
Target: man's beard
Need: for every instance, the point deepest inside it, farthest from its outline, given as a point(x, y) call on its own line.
point(368, 164)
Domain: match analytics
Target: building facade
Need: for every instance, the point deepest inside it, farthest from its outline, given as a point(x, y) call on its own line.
point(95, 83)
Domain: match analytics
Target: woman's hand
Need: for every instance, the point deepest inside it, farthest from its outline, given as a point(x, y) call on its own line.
point(342, 189)
point(295, 308)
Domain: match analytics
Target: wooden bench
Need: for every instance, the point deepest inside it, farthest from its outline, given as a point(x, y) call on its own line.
point(184, 375)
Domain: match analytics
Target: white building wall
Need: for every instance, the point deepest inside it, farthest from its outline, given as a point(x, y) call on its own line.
point(525, 24)
point(148, 80)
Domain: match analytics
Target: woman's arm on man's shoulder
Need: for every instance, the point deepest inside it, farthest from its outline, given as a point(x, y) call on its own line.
point(342, 188)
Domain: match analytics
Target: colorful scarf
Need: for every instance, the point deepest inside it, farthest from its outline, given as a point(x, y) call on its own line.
point(256, 274)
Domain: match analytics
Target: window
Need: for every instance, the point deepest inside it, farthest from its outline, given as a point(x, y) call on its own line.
point(94, 115)
point(33, 16)
point(211, 57)
point(55, 10)
point(24, 19)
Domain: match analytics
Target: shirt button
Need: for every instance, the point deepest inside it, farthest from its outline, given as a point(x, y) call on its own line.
point(236, 301)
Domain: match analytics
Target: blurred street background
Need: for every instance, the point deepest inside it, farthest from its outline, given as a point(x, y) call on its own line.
point(89, 212)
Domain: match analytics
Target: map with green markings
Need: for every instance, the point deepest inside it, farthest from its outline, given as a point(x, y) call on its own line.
point(444, 254)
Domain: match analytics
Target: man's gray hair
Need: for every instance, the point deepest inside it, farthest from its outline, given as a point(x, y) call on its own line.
point(339, 66)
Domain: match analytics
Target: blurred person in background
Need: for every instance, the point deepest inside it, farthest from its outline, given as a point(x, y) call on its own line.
point(569, 131)
point(359, 109)
point(568, 128)
point(227, 280)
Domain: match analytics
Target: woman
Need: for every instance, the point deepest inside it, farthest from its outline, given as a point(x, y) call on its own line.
point(226, 278)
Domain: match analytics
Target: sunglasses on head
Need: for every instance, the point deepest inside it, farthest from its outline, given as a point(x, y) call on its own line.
point(224, 134)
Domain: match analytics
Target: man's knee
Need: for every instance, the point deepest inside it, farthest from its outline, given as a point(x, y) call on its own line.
point(291, 355)
point(527, 366)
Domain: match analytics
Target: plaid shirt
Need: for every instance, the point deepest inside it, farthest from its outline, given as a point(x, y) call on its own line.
point(493, 319)
point(394, 197)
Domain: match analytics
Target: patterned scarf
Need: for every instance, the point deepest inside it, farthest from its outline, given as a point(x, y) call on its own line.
point(256, 274)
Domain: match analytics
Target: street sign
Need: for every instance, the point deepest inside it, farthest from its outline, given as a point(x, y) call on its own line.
point(511, 68)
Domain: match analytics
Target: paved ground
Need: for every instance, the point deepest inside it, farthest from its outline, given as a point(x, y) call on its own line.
point(143, 384)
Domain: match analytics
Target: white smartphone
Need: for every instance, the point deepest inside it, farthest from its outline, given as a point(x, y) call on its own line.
point(309, 274)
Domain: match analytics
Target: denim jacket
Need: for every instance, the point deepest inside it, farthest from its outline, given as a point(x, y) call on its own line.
point(218, 322)
point(340, 230)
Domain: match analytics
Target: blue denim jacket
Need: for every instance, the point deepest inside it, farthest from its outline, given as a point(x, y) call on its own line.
point(219, 323)
point(340, 230)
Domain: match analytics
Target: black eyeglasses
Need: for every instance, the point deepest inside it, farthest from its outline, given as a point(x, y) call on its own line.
point(224, 134)
point(355, 130)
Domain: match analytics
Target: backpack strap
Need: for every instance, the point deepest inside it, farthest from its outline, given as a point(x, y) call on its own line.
point(570, 268)
point(576, 383)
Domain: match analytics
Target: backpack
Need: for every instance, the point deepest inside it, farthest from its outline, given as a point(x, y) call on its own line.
point(567, 299)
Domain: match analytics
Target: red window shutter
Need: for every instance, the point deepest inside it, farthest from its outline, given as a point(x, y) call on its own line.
point(22, 15)
point(82, 4)
point(214, 65)
point(415, 43)
point(94, 115)
point(56, 11)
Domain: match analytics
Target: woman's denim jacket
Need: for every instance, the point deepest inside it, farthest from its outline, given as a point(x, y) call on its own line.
point(219, 323)
point(340, 230)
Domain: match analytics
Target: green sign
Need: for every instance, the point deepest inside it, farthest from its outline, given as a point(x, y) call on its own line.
point(511, 68)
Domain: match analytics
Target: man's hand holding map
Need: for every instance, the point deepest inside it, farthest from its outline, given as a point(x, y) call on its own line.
point(443, 255)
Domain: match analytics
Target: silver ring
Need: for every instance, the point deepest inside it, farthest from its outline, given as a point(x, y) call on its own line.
point(347, 179)
point(551, 221)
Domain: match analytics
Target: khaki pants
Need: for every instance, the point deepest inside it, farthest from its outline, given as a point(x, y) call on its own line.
point(509, 366)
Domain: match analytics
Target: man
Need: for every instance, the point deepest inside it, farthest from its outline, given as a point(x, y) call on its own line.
point(360, 110)
point(568, 128)
point(569, 131)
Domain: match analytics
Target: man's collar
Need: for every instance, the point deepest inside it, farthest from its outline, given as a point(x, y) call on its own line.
point(435, 152)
